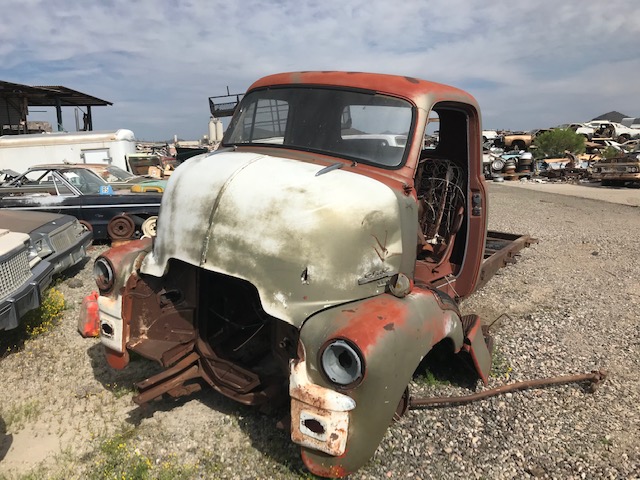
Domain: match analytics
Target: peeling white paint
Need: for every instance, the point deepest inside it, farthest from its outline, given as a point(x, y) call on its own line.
point(265, 219)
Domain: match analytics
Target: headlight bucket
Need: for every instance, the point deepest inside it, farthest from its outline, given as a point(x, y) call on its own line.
point(104, 274)
point(42, 247)
point(342, 363)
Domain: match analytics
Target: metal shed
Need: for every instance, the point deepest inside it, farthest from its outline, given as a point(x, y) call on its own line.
point(16, 98)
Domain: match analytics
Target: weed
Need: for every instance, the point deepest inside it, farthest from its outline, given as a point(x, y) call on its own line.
point(118, 459)
point(500, 368)
point(427, 378)
point(17, 416)
point(119, 391)
point(36, 322)
point(606, 440)
point(45, 318)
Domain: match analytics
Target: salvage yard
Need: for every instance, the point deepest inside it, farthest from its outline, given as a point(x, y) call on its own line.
point(568, 306)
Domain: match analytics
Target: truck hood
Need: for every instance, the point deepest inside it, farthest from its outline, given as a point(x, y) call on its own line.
point(305, 241)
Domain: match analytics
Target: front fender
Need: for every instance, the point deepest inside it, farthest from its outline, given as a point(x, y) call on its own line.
point(125, 261)
point(393, 335)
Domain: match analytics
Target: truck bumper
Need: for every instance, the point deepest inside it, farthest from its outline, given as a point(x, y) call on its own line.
point(319, 416)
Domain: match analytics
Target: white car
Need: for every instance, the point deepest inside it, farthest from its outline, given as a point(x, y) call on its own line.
point(580, 128)
point(607, 129)
point(489, 135)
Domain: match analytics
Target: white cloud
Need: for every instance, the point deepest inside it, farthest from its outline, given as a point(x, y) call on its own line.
point(530, 64)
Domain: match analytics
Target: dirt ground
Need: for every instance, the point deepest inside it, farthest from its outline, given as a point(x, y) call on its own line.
point(629, 195)
point(568, 306)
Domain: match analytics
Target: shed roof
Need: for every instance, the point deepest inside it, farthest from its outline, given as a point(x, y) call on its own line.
point(48, 96)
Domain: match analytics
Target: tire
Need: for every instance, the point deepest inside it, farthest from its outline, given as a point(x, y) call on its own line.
point(518, 145)
point(149, 226)
point(121, 227)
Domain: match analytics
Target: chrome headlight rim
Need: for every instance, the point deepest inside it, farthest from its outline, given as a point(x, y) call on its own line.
point(341, 363)
point(104, 274)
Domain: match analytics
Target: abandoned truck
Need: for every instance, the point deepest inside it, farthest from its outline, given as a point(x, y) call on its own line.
point(311, 260)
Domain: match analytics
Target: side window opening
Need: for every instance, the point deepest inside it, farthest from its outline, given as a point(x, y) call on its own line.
point(441, 184)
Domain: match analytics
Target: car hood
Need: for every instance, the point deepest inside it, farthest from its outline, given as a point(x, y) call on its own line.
point(305, 241)
point(27, 222)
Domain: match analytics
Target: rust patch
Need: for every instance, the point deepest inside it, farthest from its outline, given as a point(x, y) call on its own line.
point(362, 331)
point(335, 471)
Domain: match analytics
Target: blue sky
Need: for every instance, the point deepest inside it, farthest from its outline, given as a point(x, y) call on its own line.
point(530, 64)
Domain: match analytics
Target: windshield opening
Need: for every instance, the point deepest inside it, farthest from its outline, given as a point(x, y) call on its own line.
point(365, 127)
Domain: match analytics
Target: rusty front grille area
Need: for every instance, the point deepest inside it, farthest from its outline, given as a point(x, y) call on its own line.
point(234, 325)
point(207, 326)
point(14, 271)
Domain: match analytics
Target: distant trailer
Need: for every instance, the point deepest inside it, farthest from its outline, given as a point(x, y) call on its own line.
point(21, 152)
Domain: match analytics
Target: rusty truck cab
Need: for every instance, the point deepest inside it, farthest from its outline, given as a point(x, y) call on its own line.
point(314, 259)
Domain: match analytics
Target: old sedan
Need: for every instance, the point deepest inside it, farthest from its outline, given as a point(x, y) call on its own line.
point(23, 278)
point(72, 190)
point(121, 179)
point(60, 239)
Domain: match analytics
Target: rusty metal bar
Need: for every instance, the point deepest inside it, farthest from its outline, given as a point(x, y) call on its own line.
point(500, 249)
point(594, 378)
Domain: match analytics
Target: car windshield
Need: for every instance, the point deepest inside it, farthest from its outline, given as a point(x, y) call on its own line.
point(84, 180)
point(361, 126)
point(111, 173)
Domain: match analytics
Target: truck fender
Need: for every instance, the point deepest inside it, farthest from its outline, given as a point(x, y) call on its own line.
point(392, 335)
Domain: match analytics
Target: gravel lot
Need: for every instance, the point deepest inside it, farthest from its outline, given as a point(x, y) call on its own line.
point(568, 306)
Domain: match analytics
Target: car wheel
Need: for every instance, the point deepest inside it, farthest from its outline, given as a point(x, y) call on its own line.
point(121, 227)
point(149, 226)
point(86, 225)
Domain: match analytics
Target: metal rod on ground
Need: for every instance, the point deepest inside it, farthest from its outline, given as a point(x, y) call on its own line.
point(595, 377)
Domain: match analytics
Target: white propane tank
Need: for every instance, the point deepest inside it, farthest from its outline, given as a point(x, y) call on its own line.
point(215, 130)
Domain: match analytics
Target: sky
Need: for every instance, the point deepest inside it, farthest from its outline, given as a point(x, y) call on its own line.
point(530, 64)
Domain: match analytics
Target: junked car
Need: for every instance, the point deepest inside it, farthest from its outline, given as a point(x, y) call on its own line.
point(320, 268)
point(60, 239)
point(580, 128)
point(77, 191)
point(613, 130)
point(121, 179)
point(23, 277)
point(617, 171)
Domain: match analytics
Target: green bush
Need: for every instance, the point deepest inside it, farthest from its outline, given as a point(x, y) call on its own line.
point(554, 143)
point(611, 152)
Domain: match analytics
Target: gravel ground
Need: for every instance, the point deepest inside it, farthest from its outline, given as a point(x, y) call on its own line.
point(568, 306)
